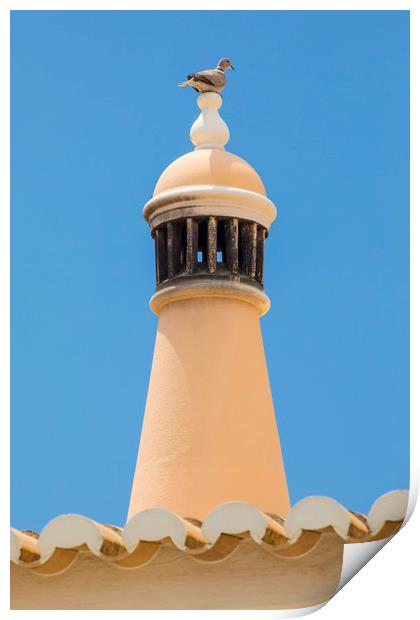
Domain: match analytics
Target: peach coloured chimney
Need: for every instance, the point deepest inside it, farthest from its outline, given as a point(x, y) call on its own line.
point(209, 431)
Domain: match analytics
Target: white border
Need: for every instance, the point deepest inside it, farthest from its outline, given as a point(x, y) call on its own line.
point(387, 586)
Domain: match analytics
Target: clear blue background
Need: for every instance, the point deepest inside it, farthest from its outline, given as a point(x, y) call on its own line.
point(319, 105)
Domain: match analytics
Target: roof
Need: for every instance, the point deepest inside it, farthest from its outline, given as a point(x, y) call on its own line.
point(62, 539)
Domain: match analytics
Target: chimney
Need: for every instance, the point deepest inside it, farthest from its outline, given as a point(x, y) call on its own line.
point(209, 431)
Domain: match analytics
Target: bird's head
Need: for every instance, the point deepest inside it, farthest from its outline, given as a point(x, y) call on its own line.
point(225, 63)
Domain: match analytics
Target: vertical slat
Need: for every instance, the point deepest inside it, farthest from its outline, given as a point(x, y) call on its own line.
point(211, 244)
point(232, 244)
point(243, 241)
point(252, 250)
point(260, 255)
point(192, 245)
point(161, 255)
point(246, 247)
point(170, 248)
point(156, 257)
point(249, 248)
point(177, 246)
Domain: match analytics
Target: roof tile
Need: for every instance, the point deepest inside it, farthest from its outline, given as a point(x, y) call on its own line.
point(215, 539)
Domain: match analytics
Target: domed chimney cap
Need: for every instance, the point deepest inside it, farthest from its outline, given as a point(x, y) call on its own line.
point(209, 163)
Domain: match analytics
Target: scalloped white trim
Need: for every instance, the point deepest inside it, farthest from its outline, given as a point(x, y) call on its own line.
point(154, 524)
point(235, 518)
point(314, 513)
point(391, 506)
point(69, 531)
point(15, 545)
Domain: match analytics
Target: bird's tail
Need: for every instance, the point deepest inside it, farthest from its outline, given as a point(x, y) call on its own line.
point(184, 83)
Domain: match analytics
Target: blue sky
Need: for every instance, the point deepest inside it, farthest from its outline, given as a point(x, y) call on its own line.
point(319, 104)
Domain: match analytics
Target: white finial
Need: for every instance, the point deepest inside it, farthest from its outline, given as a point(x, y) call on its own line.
point(209, 130)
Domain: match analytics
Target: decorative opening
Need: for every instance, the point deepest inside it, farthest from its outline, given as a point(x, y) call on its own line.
point(202, 240)
point(241, 261)
point(222, 247)
point(221, 241)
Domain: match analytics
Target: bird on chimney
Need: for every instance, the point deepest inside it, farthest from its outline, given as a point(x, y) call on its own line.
point(209, 80)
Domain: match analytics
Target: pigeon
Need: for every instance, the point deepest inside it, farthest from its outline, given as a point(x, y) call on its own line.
point(210, 80)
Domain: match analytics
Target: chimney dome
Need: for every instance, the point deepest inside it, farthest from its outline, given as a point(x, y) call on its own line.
point(210, 167)
point(209, 164)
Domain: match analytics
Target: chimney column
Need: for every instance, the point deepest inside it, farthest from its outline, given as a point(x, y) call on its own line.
point(209, 431)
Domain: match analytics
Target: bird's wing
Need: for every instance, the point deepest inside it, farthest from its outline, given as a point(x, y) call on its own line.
point(210, 76)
